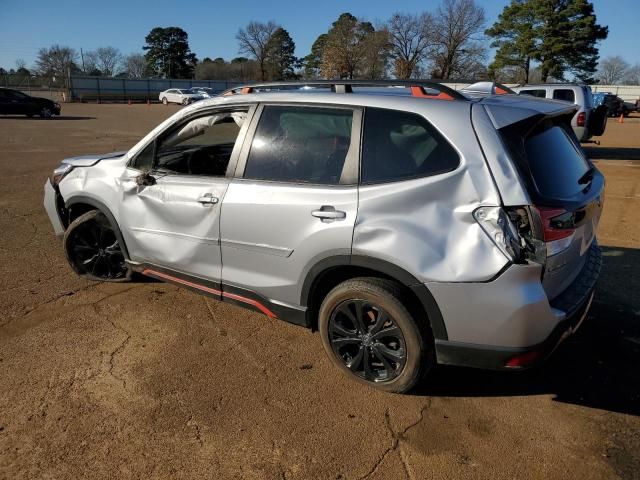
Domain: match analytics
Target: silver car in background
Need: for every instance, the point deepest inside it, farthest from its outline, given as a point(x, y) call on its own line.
point(409, 223)
point(588, 121)
point(181, 96)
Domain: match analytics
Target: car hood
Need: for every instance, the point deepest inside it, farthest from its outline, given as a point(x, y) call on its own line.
point(91, 159)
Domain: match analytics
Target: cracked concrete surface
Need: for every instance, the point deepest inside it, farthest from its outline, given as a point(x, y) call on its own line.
point(145, 380)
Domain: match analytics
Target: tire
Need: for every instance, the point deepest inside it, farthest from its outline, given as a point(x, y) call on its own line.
point(45, 112)
point(93, 251)
point(406, 347)
point(165, 101)
point(185, 102)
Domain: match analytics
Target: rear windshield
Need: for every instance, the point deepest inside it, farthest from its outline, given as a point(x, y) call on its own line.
point(556, 162)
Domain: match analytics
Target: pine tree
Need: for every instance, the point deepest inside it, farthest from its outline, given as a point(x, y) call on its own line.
point(281, 61)
point(560, 35)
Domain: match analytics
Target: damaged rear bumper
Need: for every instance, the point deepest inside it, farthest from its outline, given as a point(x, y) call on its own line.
point(571, 308)
point(52, 208)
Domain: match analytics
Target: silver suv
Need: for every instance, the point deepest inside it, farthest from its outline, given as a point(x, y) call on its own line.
point(409, 223)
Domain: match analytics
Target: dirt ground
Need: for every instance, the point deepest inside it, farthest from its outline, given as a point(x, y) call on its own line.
point(147, 380)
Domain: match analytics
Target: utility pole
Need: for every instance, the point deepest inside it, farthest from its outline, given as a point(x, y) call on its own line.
point(82, 57)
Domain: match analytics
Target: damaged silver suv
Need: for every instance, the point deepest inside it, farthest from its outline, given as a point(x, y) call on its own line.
point(409, 223)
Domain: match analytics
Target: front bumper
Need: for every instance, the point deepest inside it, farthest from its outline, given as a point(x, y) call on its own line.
point(572, 306)
point(51, 206)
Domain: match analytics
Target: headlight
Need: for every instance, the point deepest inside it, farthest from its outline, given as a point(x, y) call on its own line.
point(60, 172)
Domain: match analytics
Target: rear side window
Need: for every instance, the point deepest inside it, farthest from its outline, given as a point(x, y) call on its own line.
point(556, 163)
point(300, 145)
point(535, 93)
point(565, 94)
point(399, 145)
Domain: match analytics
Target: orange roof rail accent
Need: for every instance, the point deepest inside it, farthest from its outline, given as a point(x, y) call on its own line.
point(246, 90)
point(418, 91)
point(500, 91)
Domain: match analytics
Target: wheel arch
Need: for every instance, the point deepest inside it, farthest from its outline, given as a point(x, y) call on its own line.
point(331, 271)
point(86, 203)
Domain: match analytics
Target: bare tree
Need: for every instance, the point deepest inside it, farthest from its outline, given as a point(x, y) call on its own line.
point(109, 60)
point(410, 37)
point(253, 42)
point(612, 70)
point(56, 60)
point(135, 65)
point(21, 64)
point(632, 75)
point(90, 63)
point(457, 24)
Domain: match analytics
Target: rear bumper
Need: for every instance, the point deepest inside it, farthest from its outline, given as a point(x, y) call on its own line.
point(572, 306)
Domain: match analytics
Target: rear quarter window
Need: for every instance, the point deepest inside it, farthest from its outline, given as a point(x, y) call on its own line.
point(401, 145)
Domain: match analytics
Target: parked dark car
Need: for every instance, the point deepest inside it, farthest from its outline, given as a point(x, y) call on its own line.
point(615, 105)
point(14, 102)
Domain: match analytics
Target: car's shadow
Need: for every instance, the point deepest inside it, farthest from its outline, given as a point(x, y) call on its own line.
point(598, 367)
point(612, 153)
point(36, 118)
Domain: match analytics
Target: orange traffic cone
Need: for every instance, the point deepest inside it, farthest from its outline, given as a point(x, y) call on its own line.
point(621, 119)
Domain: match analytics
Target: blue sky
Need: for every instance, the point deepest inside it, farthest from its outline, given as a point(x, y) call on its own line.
point(25, 26)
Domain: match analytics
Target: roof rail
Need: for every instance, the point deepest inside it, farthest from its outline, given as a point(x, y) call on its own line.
point(418, 88)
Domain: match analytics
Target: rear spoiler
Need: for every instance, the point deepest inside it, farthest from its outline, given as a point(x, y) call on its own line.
point(483, 89)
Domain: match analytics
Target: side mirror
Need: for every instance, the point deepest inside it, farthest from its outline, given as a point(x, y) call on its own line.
point(145, 179)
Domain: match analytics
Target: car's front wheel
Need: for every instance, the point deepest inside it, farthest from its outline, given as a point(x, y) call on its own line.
point(185, 102)
point(165, 101)
point(369, 333)
point(93, 250)
point(46, 112)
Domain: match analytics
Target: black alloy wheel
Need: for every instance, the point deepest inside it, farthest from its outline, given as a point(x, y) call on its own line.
point(93, 250)
point(368, 340)
point(374, 332)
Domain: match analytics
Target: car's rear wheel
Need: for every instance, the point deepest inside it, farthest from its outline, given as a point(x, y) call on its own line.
point(369, 333)
point(165, 101)
point(92, 249)
point(46, 112)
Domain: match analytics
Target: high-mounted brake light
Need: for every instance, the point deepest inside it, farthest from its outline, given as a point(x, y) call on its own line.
point(582, 119)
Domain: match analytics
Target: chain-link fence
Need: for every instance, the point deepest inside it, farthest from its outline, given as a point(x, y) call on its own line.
point(54, 87)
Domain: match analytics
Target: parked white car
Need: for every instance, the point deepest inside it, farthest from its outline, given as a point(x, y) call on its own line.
point(178, 95)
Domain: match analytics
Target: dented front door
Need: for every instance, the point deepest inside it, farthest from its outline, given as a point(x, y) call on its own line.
point(174, 223)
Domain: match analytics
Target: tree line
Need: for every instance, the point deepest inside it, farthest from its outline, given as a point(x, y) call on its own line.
point(534, 40)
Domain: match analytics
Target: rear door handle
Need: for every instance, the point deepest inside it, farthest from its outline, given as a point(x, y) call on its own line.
point(329, 213)
point(208, 199)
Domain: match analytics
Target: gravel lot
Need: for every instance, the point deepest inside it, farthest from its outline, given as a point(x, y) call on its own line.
point(146, 380)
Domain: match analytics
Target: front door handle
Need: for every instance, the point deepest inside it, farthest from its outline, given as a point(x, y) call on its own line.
point(208, 199)
point(329, 213)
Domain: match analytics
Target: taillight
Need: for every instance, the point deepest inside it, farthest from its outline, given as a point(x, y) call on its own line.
point(557, 228)
point(582, 119)
point(498, 226)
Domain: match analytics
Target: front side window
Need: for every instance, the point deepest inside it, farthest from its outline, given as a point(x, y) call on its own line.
point(300, 144)
point(202, 146)
point(399, 145)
